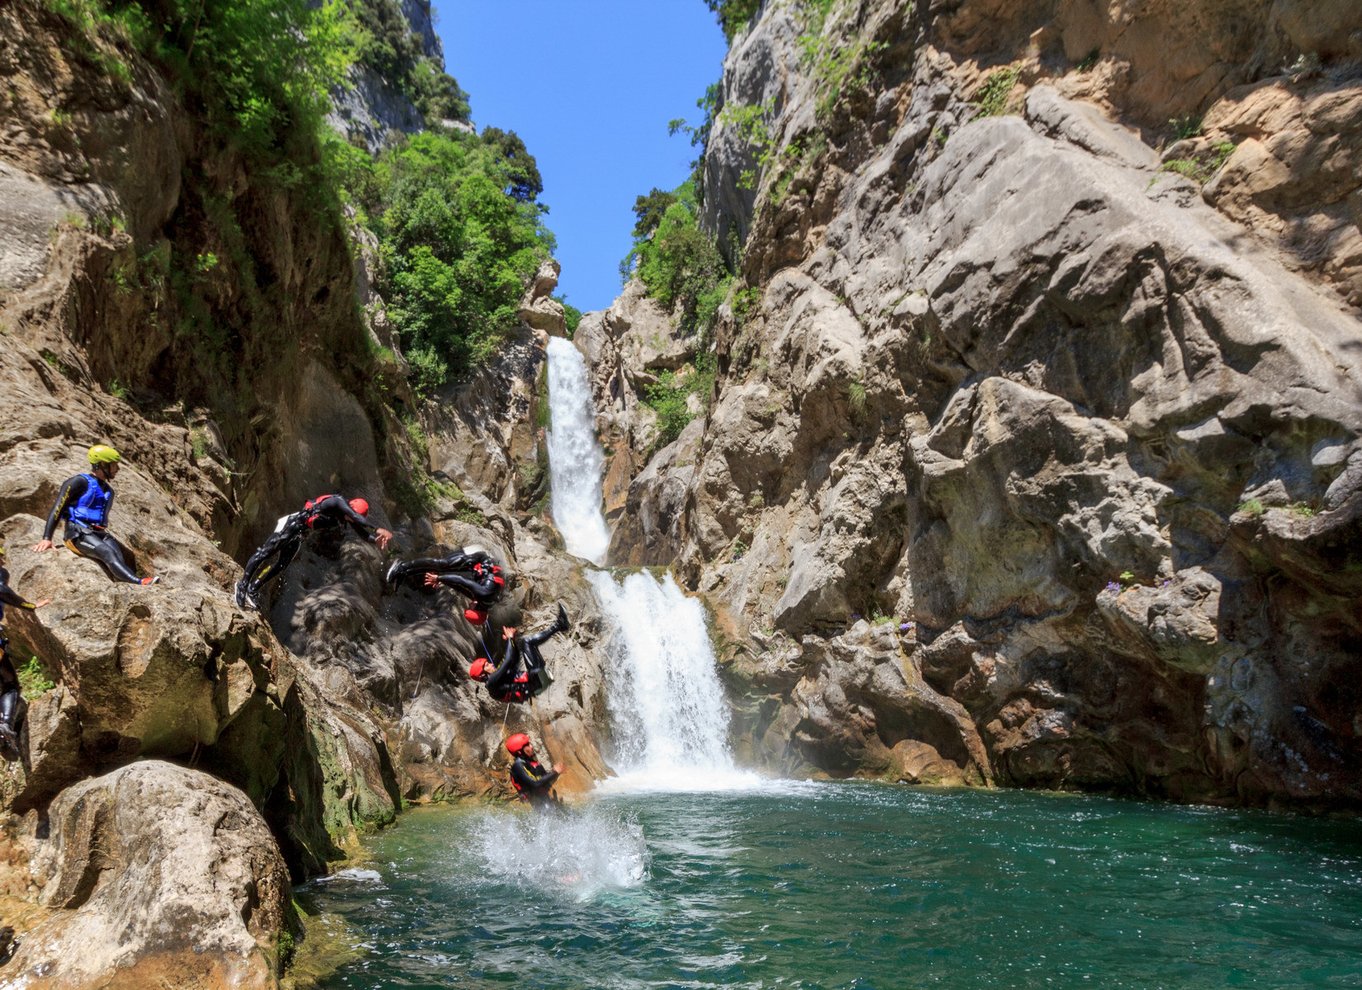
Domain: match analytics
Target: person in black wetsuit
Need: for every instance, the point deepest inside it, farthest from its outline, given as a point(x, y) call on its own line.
point(506, 682)
point(9, 677)
point(84, 502)
point(472, 572)
point(529, 778)
point(328, 514)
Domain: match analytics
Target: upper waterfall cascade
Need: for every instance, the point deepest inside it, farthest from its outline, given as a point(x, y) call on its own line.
point(575, 458)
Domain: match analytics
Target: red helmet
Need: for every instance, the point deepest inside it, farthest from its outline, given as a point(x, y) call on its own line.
point(360, 506)
point(516, 743)
point(479, 669)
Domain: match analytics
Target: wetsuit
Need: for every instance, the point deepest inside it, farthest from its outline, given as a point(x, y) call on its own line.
point(507, 682)
point(84, 502)
point(9, 696)
point(532, 782)
point(8, 596)
point(327, 514)
point(477, 577)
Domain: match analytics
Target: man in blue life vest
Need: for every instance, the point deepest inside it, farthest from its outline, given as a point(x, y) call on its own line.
point(506, 682)
point(330, 515)
point(529, 778)
point(84, 501)
point(9, 677)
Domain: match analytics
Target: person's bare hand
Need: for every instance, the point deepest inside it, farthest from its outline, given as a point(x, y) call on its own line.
point(431, 580)
point(383, 537)
point(41, 602)
point(42, 546)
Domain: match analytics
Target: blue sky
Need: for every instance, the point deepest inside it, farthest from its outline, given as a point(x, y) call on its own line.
point(590, 86)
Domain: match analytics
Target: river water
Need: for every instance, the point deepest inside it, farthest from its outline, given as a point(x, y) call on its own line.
point(847, 885)
point(688, 872)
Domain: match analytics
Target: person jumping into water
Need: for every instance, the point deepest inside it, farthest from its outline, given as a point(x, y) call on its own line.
point(84, 501)
point(327, 514)
point(472, 572)
point(531, 781)
point(506, 682)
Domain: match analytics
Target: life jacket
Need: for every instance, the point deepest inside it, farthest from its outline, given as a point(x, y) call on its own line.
point(310, 507)
point(535, 767)
point(519, 692)
point(92, 508)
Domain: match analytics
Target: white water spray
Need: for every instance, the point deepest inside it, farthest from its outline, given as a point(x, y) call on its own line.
point(668, 708)
point(575, 458)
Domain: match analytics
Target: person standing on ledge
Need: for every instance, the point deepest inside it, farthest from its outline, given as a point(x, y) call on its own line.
point(529, 778)
point(327, 514)
point(84, 502)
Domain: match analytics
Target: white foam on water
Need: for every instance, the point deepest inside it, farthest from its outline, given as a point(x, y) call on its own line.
point(581, 853)
point(575, 458)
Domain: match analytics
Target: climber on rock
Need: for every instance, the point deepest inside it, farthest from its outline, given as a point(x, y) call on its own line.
point(84, 502)
point(506, 682)
point(472, 572)
point(8, 596)
point(531, 781)
point(326, 514)
point(9, 677)
point(9, 700)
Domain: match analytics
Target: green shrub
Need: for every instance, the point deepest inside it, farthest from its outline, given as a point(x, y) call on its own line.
point(33, 679)
point(667, 397)
point(733, 15)
point(992, 96)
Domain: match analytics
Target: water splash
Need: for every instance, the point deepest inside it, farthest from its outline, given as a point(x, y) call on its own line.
point(575, 458)
point(578, 855)
point(668, 709)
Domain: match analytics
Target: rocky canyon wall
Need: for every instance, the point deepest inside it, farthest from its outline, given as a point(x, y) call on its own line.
point(1035, 450)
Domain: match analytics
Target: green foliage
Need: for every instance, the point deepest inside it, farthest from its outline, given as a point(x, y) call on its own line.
point(461, 235)
point(118, 390)
point(1302, 509)
point(1201, 168)
point(733, 15)
point(1127, 578)
point(838, 67)
point(571, 314)
point(667, 397)
point(992, 96)
point(1185, 127)
point(33, 679)
point(1089, 61)
point(385, 43)
point(856, 397)
point(649, 209)
point(681, 266)
point(739, 549)
point(751, 123)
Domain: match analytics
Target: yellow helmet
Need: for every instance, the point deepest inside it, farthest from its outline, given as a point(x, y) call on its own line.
point(103, 454)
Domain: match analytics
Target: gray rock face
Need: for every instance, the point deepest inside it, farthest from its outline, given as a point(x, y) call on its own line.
point(159, 876)
point(1009, 382)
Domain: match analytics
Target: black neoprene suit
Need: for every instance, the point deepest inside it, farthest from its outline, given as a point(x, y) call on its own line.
point(8, 596)
point(532, 780)
point(332, 514)
point(501, 682)
point(97, 544)
point(9, 689)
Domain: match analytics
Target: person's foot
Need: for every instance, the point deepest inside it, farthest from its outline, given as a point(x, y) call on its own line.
point(148, 581)
point(240, 594)
point(392, 576)
point(252, 597)
point(562, 625)
point(8, 739)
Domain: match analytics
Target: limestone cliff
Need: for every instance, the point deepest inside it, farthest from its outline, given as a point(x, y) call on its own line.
point(1035, 454)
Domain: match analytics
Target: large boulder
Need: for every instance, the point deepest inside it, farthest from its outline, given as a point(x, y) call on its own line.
point(157, 876)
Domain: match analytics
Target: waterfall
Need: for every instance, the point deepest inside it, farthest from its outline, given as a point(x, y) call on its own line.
point(668, 709)
point(575, 458)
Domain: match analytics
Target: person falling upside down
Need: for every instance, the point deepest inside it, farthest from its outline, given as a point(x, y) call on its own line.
point(531, 781)
point(506, 682)
point(84, 501)
point(324, 514)
point(472, 572)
